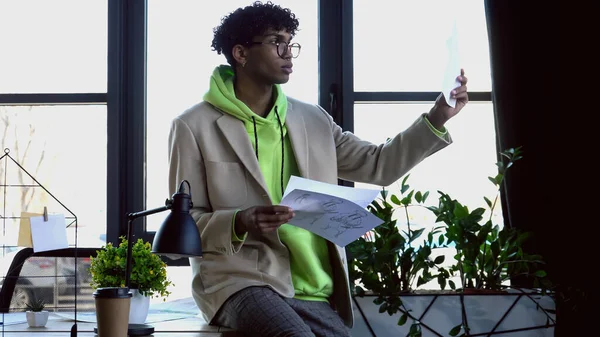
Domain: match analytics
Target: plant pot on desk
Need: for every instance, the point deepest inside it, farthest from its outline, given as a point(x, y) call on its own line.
point(138, 310)
point(37, 319)
point(517, 314)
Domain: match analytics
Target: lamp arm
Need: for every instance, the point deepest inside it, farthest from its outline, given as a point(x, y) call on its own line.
point(131, 217)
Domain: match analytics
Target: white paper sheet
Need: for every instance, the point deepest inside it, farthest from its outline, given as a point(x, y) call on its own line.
point(49, 235)
point(335, 215)
point(360, 196)
point(452, 66)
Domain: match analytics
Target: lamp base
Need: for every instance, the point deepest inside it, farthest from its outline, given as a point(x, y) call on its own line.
point(136, 330)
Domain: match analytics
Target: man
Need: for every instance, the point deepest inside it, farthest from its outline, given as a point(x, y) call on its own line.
point(238, 149)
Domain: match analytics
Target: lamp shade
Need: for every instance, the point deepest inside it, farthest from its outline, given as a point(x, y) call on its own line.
point(178, 236)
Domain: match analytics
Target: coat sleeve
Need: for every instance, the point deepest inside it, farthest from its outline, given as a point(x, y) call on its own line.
point(186, 163)
point(383, 164)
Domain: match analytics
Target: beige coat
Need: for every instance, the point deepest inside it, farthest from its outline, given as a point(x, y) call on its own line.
point(212, 150)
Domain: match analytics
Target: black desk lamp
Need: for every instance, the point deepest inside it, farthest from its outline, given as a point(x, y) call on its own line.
point(177, 237)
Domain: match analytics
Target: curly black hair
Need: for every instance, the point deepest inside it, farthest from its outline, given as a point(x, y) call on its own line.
point(243, 24)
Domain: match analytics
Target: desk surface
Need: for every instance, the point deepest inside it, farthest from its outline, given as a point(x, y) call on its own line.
point(186, 327)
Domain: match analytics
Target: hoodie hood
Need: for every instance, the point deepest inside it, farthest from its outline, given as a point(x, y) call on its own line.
point(267, 134)
point(221, 94)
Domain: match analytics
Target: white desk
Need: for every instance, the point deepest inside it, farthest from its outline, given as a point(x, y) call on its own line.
point(185, 327)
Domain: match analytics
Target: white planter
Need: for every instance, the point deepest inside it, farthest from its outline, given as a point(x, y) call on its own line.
point(37, 319)
point(514, 314)
point(138, 311)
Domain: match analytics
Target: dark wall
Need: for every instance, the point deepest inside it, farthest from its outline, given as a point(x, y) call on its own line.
point(545, 191)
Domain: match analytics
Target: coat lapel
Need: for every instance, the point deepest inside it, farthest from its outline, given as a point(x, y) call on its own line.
point(296, 129)
point(237, 136)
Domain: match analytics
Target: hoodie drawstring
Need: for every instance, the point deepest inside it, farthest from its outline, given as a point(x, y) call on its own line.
point(282, 147)
point(255, 137)
point(282, 144)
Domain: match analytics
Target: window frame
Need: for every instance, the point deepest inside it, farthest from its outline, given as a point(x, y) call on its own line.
point(336, 81)
point(126, 112)
point(126, 100)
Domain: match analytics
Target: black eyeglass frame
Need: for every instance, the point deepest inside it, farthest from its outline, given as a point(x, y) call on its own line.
point(277, 43)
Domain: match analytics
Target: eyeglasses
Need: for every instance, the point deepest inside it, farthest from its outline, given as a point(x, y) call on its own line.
point(282, 48)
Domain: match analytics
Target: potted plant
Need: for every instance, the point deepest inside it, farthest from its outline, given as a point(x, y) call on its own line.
point(148, 274)
point(486, 257)
point(390, 262)
point(37, 317)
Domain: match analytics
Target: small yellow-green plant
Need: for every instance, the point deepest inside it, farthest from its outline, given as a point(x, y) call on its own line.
point(148, 271)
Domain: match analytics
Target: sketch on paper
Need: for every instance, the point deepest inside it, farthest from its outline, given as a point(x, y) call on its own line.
point(302, 199)
point(326, 208)
point(360, 196)
point(347, 221)
point(336, 219)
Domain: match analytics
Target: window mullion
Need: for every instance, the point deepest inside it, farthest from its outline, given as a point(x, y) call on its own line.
point(126, 115)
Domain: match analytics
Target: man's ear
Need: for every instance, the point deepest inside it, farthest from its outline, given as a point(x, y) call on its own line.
point(240, 54)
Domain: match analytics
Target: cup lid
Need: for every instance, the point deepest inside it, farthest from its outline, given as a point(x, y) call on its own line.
point(112, 292)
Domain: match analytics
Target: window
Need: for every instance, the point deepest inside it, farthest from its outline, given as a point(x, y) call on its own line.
point(53, 123)
point(53, 92)
point(53, 114)
point(399, 63)
point(460, 170)
point(64, 149)
point(53, 46)
point(402, 48)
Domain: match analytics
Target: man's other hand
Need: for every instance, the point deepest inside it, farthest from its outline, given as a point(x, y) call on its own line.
point(262, 219)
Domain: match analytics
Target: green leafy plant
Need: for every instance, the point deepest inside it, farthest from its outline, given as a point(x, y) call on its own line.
point(36, 305)
point(148, 271)
point(389, 261)
point(487, 256)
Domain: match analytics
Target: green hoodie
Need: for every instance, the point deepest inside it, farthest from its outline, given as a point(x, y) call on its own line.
point(309, 255)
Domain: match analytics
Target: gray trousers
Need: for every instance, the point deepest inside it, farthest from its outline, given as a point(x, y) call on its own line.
point(261, 312)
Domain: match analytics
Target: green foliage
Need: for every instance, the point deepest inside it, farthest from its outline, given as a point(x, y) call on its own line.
point(36, 305)
point(458, 329)
point(148, 271)
point(387, 260)
point(487, 255)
